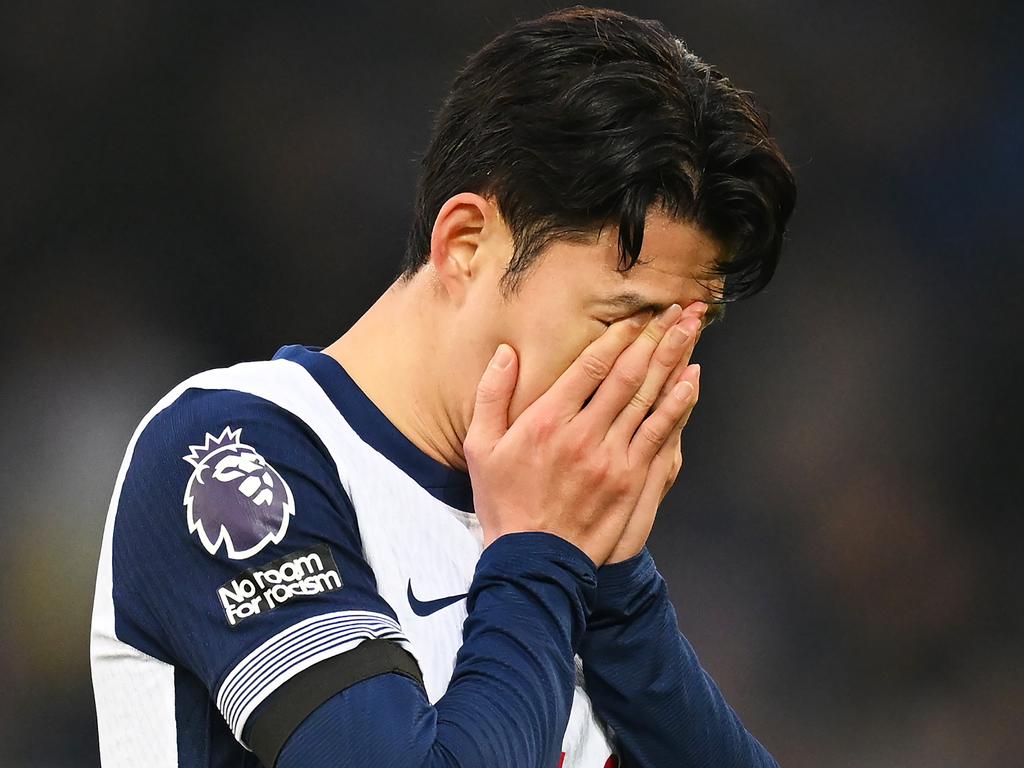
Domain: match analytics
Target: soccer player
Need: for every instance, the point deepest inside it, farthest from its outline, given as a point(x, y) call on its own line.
point(425, 545)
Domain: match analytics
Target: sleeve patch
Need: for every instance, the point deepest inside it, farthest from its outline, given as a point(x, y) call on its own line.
point(234, 498)
point(260, 590)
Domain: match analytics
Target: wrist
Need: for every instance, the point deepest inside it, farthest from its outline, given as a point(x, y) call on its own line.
point(621, 555)
point(621, 585)
point(627, 573)
point(543, 543)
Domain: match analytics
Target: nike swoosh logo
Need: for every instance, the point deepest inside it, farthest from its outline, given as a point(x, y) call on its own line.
point(427, 607)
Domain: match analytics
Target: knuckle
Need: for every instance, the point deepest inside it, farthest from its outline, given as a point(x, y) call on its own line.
point(669, 356)
point(599, 465)
point(642, 401)
point(594, 367)
point(677, 460)
point(486, 394)
point(665, 358)
point(577, 444)
point(475, 453)
point(470, 447)
point(631, 377)
point(652, 333)
point(650, 434)
point(620, 486)
point(624, 476)
point(542, 426)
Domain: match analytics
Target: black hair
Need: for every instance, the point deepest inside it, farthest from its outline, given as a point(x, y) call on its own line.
point(587, 116)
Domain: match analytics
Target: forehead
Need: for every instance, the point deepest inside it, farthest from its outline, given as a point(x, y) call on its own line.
point(673, 266)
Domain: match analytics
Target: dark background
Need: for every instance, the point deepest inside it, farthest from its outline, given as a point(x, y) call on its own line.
point(186, 187)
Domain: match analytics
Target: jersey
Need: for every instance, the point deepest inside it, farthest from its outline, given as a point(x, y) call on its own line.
point(270, 526)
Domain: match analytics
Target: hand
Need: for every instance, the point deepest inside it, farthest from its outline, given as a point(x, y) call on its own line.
point(664, 373)
point(575, 461)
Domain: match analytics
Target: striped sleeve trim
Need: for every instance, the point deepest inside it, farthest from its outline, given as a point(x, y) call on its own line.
point(295, 649)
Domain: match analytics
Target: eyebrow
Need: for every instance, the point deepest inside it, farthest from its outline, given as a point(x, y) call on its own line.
point(636, 303)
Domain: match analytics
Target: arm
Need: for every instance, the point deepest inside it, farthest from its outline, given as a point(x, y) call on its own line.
point(509, 698)
point(510, 694)
point(646, 682)
point(276, 634)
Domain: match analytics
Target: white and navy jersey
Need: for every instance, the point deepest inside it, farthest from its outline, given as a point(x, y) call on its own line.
point(269, 524)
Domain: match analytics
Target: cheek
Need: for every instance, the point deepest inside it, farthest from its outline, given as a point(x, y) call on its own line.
point(546, 358)
point(554, 348)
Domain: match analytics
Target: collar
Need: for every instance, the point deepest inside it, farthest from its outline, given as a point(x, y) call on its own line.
point(444, 483)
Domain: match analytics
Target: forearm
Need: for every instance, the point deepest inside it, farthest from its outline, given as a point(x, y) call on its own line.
point(508, 701)
point(646, 682)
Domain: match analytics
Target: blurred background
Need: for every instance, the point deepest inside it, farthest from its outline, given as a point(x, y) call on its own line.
point(186, 187)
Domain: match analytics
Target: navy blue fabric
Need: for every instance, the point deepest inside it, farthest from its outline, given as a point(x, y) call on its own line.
point(646, 682)
point(508, 702)
point(509, 698)
point(165, 582)
point(203, 737)
point(643, 676)
point(441, 481)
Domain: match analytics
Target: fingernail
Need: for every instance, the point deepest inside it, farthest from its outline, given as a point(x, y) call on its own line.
point(696, 376)
point(671, 314)
point(682, 390)
point(502, 357)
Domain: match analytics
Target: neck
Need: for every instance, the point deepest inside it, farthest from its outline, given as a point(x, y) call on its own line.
point(393, 352)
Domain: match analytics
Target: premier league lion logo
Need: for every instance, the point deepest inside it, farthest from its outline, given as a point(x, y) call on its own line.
point(234, 497)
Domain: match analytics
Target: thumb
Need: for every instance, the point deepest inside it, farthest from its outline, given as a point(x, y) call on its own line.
point(493, 394)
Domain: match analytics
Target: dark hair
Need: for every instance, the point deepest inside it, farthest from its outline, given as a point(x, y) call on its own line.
point(589, 115)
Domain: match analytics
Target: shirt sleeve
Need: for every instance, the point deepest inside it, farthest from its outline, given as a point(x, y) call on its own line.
point(646, 682)
point(236, 556)
point(508, 702)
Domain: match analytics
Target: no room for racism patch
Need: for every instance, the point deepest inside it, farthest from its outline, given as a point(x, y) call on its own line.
point(259, 590)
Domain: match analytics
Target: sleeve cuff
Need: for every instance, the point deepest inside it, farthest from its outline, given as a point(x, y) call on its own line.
point(620, 585)
point(543, 545)
point(550, 572)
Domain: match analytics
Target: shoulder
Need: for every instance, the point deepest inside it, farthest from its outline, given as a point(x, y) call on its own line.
point(249, 395)
point(222, 463)
point(232, 539)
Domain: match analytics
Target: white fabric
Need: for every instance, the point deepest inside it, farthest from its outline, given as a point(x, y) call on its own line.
point(406, 534)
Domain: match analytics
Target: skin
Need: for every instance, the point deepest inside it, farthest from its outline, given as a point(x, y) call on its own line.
point(419, 352)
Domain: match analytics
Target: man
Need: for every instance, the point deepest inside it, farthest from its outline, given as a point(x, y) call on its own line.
point(425, 544)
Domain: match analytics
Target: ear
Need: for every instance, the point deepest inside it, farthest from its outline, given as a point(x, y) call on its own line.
point(462, 240)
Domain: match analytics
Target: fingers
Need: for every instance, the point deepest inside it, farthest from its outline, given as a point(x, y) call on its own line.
point(662, 471)
point(670, 457)
point(673, 413)
point(674, 350)
point(493, 394)
point(696, 310)
point(627, 374)
point(661, 475)
point(566, 396)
